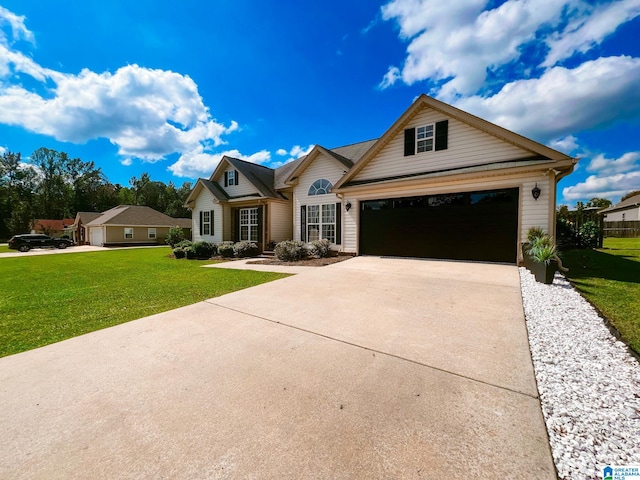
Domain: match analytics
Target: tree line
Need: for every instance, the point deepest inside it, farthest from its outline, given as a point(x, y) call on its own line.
point(52, 185)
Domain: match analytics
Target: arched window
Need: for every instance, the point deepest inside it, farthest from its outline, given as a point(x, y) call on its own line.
point(320, 187)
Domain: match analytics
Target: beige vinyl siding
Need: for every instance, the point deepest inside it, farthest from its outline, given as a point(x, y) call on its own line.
point(206, 202)
point(532, 212)
point(115, 234)
point(467, 146)
point(323, 166)
point(629, 215)
point(281, 219)
point(244, 187)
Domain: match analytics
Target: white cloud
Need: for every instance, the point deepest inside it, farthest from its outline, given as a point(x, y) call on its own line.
point(565, 145)
point(587, 31)
point(457, 42)
point(281, 152)
point(3, 150)
point(563, 100)
point(147, 113)
point(16, 22)
point(127, 162)
point(611, 187)
point(298, 151)
point(199, 163)
point(627, 162)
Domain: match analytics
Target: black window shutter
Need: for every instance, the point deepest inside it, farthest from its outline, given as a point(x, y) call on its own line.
point(211, 220)
point(303, 223)
point(226, 179)
point(338, 223)
point(409, 142)
point(235, 176)
point(442, 134)
point(201, 220)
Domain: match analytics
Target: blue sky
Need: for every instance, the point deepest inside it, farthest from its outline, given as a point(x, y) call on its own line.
point(168, 88)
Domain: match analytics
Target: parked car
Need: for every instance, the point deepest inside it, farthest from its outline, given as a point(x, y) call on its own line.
point(26, 242)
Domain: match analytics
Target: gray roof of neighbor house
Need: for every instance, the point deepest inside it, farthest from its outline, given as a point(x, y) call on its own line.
point(183, 222)
point(134, 215)
point(86, 217)
point(628, 203)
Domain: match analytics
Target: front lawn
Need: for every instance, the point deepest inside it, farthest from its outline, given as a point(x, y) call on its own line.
point(49, 298)
point(610, 279)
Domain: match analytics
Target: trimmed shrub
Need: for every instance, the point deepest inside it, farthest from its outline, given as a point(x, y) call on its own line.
point(175, 235)
point(589, 234)
point(245, 249)
point(225, 249)
point(204, 249)
point(320, 248)
point(291, 251)
point(183, 244)
point(190, 253)
point(179, 253)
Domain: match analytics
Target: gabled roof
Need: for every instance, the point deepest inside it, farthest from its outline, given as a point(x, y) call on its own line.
point(452, 112)
point(183, 222)
point(86, 217)
point(213, 187)
point(133, 215)
point(347, 155)
point(625, 204)
point(57, 225)
point(261, 177)
point(283, 172)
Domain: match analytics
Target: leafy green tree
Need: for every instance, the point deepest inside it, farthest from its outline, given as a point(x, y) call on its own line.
point(599, 202)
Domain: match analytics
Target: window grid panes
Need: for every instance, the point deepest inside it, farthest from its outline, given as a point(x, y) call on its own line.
point(424, 138)
point(249, 224)
point(321, 222)
point(128, 233)
point(206, 223)
point(152, 233)
point(320, 187)
point(231, 177)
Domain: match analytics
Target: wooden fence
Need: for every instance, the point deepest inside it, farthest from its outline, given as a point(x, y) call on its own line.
point(625, 229)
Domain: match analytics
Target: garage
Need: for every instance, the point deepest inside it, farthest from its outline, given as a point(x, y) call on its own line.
point(481, 225)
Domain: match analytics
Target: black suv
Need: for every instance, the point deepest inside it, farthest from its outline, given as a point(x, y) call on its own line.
point(26, 242)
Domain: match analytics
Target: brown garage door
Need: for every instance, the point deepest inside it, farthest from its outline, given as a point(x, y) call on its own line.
point(464, 226)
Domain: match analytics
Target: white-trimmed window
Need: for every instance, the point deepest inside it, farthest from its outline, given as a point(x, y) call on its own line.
point(320, 187)
point(231, 177)
point(321, 222)
point(424, 138)
point(128, 233)
point(206, 223)
point(151, 232)
point(249, 224)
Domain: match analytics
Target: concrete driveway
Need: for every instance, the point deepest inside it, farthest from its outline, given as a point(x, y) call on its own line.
point(369, 368)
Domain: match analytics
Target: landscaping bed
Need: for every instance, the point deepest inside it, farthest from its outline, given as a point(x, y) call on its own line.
point(307, 262)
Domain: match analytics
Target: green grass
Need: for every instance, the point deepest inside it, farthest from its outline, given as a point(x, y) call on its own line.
point(50, 298)
point(5, 249)
point(610, 279)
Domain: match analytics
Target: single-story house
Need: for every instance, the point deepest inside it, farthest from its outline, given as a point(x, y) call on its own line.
point(625, 211)
point(438, 183)
point(79, 229)
point(53, 228)
point(129, 225)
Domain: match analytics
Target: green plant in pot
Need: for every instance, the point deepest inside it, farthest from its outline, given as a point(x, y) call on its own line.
point(535, 236)
point(545, 259)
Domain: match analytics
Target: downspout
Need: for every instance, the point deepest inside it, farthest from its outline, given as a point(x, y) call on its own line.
point(344, 220)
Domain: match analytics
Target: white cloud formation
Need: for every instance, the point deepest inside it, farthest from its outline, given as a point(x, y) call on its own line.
point(563, 100)
point(281, 152)
point(565, 145)
point(627, 162)
point(3, 150)
point(589, 30)
point(198, 163)
point(455, 44)
point(611, 187)
point(147, 113)
point(298, 151)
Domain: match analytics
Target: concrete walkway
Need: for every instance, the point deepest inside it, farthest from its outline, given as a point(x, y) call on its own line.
point(368, 368)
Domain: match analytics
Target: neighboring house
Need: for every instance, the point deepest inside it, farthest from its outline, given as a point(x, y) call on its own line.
point(439, 183)
point(53, 228)
point(129, 225)
point(79, 232)
point(625, 211)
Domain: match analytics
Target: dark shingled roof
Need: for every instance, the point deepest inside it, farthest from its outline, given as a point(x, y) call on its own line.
point(215, 189)
point(260, 176)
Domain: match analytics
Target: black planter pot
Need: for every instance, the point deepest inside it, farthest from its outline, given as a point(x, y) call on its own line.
point(544, 273)
point(529, 262)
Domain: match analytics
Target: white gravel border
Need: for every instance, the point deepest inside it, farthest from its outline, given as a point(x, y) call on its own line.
point(589, 382)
